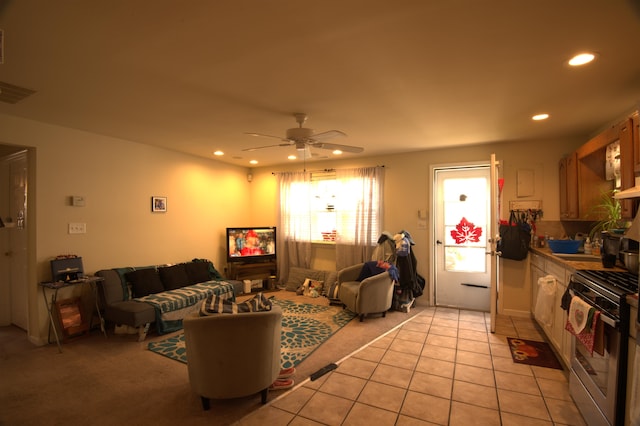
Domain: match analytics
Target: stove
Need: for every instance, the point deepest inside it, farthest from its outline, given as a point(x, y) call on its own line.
point(597, 381)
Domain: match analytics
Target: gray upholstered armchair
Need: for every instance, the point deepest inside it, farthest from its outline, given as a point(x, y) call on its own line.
point(233, 355)
point(373, 294)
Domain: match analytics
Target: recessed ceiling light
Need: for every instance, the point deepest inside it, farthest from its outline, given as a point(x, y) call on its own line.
point(253, 161)
point(581, 59)
point(337, 152)
point(218, 153)
point(291, 157)
point(539, 117)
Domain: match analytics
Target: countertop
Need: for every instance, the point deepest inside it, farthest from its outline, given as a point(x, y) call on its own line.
point(582, 265)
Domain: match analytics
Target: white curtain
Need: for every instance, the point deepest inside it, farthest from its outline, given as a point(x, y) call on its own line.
point(359, 209)
point(294, 222)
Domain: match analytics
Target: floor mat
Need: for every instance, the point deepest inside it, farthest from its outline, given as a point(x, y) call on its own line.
point(533, 353)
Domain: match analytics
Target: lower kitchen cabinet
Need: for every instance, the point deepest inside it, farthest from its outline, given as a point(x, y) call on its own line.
point(556, 334)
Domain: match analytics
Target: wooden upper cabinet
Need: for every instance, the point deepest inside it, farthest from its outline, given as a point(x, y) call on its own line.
point(568, 173)
point(627, 164)
point(635, 134)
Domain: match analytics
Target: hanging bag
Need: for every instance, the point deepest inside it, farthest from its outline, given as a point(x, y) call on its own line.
point(514, 238)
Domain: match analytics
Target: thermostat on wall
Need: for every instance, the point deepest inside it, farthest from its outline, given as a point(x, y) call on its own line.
point(77, 201)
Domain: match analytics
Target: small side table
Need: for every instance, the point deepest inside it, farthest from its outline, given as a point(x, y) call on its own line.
point(54, 287)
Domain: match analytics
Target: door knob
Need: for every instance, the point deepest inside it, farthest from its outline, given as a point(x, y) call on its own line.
point(438, 242)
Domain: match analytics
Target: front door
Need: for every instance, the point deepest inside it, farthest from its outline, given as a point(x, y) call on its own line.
point(462, 252)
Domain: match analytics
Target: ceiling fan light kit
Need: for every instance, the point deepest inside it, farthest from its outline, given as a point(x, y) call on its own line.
point(303, 138)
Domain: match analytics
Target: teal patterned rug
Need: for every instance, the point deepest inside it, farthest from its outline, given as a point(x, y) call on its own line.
point(305, 327)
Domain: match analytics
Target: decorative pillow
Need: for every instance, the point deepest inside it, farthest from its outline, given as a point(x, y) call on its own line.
point(174, 277)
point(298, 275)
point(213, 272)
point(198, 272)
point(215, 304)
point(145, 282)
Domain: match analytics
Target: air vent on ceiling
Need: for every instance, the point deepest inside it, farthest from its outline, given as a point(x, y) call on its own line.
point(13, 94)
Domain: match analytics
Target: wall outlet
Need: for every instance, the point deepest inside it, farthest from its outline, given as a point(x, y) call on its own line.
point(77, 228)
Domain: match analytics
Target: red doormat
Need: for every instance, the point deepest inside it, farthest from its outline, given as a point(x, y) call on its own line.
point(533, 353)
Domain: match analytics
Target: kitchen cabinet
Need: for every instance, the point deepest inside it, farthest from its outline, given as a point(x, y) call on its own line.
point(591, 165)
point(556, 334)
point(635, 134)
point(568, 174)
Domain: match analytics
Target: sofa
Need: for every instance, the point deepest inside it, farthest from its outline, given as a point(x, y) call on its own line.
point(163, 295)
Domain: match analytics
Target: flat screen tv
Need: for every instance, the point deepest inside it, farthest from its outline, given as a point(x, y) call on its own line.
point(255, 244)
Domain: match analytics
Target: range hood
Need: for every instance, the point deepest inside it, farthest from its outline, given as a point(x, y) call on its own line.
point(633, 192)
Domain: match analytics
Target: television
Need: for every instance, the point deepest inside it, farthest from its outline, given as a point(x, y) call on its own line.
point(252, 244)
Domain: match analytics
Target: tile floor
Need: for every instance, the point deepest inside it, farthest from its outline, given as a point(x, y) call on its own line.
point(441, 367)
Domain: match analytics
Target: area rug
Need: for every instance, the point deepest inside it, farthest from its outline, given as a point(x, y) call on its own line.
point(305, 327)
point(533, 353)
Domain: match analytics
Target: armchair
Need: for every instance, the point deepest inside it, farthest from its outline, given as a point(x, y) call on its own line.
point(233, 355)
point(373, 294)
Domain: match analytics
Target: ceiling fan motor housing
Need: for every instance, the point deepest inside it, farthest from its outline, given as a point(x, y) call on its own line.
point(299, 134)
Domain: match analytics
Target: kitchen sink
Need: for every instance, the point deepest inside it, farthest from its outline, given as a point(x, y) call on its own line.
point(578, 257)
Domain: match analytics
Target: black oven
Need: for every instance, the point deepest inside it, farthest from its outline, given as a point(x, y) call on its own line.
point(598, 382)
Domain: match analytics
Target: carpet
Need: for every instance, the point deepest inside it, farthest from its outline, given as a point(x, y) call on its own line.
point(305, 327)
point(533, 353)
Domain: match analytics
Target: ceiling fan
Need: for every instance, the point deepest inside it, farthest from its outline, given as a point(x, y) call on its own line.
point(303, 138)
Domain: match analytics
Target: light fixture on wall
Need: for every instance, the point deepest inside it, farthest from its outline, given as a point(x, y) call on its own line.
point(249, 177)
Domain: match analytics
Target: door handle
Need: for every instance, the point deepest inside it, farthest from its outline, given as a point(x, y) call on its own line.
point(438, 242)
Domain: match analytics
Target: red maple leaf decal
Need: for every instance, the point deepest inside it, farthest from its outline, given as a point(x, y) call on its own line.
point(466, 232)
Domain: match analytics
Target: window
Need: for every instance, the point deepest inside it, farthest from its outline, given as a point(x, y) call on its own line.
point(332, 206)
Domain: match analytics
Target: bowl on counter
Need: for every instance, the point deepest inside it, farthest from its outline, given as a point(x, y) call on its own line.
point(564, 246)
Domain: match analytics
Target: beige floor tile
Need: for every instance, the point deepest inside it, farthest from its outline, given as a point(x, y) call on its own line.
point(501, 351)
point(465, 414)
point(357, 367)
point(416, 325)
point(534, 335)
point(392, 375)
point(480, 336)
point(406, 346)
point(473, 326)
point(564, 412)
point(471, 393)
point(267, 416)
point(294, 400)
point(444, 322)
point(550, 373)
point(382, 342)
point(370, 353)
point(315, 385)
point(382, 396)
point(517, 383)
point(554, 389)
point(474, 358)
point(325, 408)
point(343, 385)
point(451, 313)
point(435, 366)
point(443, 331)
point(431, 384)
point(523, 404)
point(410, 421)
point(511, 419)
point(301, 421)
point(497, 339)
point(444, 341)
point(507, 365)
point(400, 359)
point(439, 353)
point(412, 335)
point(477, 375)
point(426, 407)
point(506, 330)
point(471, 316)
point(473, 346)
point(366, 415)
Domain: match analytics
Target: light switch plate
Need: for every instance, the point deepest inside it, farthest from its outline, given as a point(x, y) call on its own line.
point(77, 228)
point(77, 201)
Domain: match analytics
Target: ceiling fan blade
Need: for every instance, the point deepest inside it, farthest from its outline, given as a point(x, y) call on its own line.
point(329, 134)
point(262, 135)
point(266, 146)
point(344, 148)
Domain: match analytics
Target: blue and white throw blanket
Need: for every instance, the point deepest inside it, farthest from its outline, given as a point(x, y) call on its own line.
point(172, 306)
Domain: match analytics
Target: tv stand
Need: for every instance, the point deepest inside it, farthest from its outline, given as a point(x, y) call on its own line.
point(253, 271)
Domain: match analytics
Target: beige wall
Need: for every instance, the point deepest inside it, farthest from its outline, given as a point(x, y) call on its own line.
point(118, 178)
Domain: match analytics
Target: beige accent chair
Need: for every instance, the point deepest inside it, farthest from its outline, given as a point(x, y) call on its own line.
point(233, 355)
point(371, 295)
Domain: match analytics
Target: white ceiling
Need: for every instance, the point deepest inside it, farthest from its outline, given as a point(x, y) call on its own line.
point(396, 76)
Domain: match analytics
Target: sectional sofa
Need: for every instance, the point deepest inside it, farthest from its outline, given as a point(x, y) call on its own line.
point(143, 295)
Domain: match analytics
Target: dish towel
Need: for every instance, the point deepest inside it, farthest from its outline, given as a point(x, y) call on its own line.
point(587, 336)
point(578, 314)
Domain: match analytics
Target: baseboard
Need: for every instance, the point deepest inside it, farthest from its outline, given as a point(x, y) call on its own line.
point(516, 313)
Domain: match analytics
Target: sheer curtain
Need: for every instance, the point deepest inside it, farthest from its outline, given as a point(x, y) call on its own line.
point(294, 222)
point(360, 213)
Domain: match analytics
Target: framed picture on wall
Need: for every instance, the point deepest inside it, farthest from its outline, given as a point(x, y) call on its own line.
point(159, 204)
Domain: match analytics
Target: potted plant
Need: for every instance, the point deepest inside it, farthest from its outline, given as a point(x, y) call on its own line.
point(610, 213)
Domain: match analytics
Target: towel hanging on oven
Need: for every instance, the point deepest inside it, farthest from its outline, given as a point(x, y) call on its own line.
point(592, 335)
